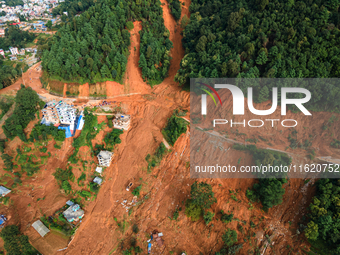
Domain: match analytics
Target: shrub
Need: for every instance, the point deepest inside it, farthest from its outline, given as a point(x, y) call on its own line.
point(208, 216)
point(136, 191)
point(192, 210)
point(135, 228)
point(202, 194)
point(226, 218)
point(43, 149)
point(229, 237)
point(94, 187)
point(2, 146)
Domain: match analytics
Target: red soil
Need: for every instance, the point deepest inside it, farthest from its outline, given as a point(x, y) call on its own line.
point(167, 187)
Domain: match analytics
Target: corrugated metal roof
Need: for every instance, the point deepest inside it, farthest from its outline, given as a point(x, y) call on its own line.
point(40, 228)
point(4, 191)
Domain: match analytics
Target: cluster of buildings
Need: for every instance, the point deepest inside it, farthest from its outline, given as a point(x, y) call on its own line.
point(32, 9)
point(72, 214)
point(14, 52)
point(63, 116)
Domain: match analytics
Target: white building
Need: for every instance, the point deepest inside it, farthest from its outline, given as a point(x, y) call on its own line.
point(66, 113)
point(14, 50)
point(2, 52)
point(50, 115)
point(105, 158)
point(121, 121)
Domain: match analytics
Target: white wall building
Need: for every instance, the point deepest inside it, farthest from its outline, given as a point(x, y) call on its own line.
point(14, 50)
point(66, 113)
point(105, 158)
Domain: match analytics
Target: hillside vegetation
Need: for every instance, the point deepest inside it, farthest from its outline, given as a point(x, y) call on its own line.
point(95, 46)
point(261, 38)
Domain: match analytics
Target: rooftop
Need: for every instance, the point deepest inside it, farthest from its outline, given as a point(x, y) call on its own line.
point(73, 213)
point(4, 191)
point(98, 180)
point(99, 169)
point(40, 228)
point(105, 154)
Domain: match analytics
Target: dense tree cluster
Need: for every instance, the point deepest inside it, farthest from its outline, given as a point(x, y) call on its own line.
point(176, 8)
point(201, 199)
point(269, 191)
point(27, 105)
point(15, 242)
point(229, 239)
point(112, 138)
point(259, 38)
point(5, 105)
point(14, 37)
point(95, 46)
point(8, 73)
point(72, 7)
point(174, 128)
point(324, 223)
point(40, 132)
point(14, 2)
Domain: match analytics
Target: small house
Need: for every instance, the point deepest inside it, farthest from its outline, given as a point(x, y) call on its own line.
point(73, 213)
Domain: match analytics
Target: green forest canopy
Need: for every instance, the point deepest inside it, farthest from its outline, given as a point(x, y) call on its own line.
point(324, 222)
point(15, 242)
point(258, 38)
point(95, 46)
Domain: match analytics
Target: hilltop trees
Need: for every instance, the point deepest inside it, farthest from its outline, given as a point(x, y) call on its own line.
point(95, 46)
point(274, 39)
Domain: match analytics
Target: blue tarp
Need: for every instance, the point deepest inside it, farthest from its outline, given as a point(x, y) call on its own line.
point(67, 131)
point(1, 221)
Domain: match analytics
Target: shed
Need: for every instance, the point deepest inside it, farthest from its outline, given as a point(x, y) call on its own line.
point(40, 228)
point(4, 191)
point(99, 169)
point(70, 203)
point(98, 180)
